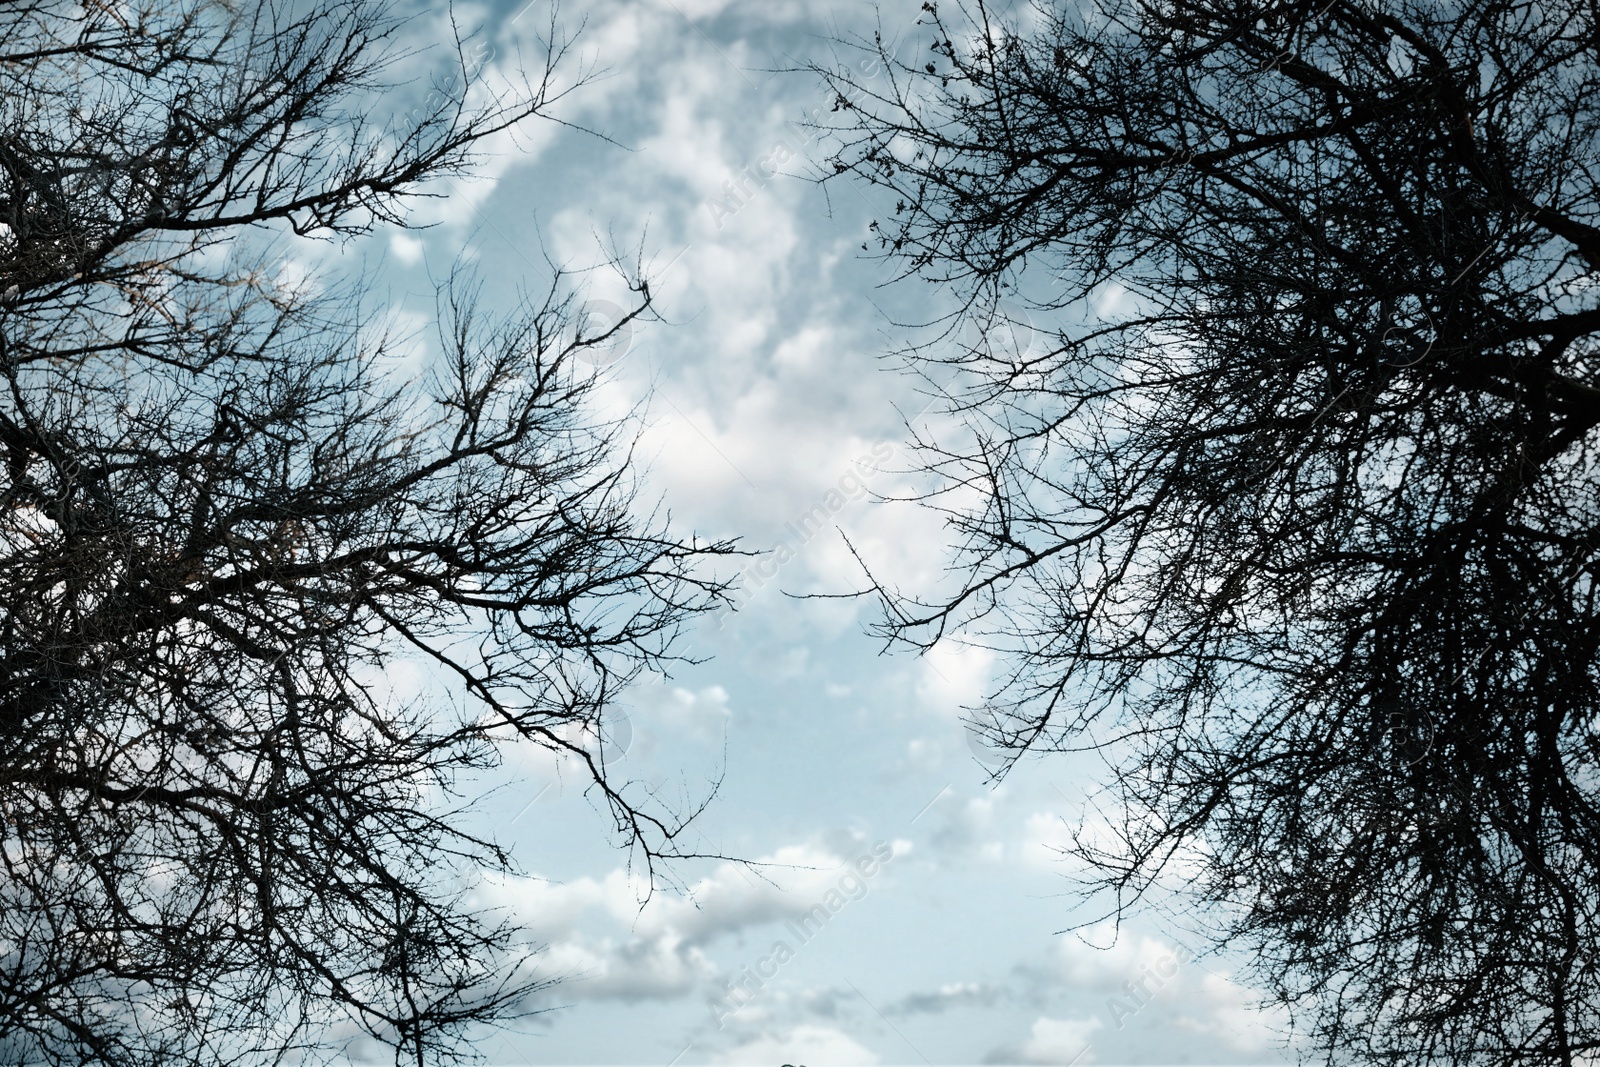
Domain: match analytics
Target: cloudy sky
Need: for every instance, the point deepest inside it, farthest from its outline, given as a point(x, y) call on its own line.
point(951, 935)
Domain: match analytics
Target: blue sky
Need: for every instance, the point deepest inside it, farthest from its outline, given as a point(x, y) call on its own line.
point(766, 390)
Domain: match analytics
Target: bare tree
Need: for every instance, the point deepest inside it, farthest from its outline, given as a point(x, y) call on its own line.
point(226, 510)
point(1303, 537)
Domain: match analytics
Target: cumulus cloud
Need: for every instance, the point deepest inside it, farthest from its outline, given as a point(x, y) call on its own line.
point(1231, 1013)
point(803, 1044)
point(630, 970)
point(1142, 987)
point(1051, 1041)
point(969, 828)
point(950, 996)
point(956, 676)
point(406, 248)
point(702, 713)
point(603, 944)
point(1104, 958)
point(1115, 999)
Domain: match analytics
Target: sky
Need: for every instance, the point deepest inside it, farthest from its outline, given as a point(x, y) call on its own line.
point(943, 926)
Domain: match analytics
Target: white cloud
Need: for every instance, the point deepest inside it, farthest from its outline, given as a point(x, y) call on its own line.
point(657, 950)
point(968, 828)
point(732, 899)
point(1052, 1041)
point(701, 714)
point(1105, 957)
point(490, 73)
point(1232, 1013)
point(632, 969)
point(407, 249)
point(1141, 985)
point(949, 996)
point(803, 1044)
point(1045, 835)
point(955, 675)
point(693, 9)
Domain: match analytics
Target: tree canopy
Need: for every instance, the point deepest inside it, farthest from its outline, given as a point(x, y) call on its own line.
point(228, 505)
point(1292, 512)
